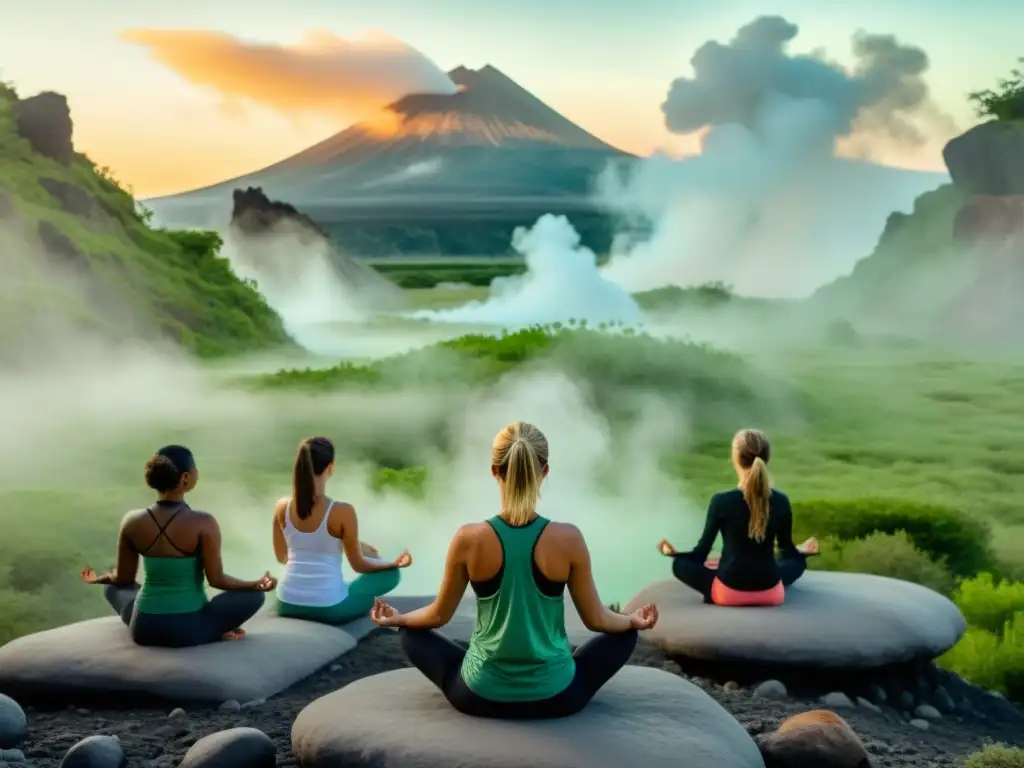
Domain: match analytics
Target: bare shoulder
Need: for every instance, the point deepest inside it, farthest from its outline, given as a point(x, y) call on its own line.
point(281, 508)
point(204, 520)
point(341, 509)
point(472, 533)
point(566, 533)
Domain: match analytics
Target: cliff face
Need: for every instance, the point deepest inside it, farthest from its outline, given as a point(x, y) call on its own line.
point(273, 237)
point(77, 253)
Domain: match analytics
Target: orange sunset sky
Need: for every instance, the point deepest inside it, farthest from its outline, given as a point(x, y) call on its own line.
point(184, 95)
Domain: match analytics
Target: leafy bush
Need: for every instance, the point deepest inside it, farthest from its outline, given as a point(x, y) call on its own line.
point(410, 481)
point(945, 534)
point(885, 554)
point(989, 604)
point(991, 660)
point(1006, 103)
point(996, 756)
point(717, 387)
point(675, 297)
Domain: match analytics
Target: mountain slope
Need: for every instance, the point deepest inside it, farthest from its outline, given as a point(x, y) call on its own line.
point(75, 249)
point(491, 143)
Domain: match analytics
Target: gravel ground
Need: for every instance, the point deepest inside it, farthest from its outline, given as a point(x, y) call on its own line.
point(153, 739)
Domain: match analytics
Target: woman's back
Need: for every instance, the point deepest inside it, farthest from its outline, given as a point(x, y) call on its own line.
point(313, 573)
point(748, 563)
point(519, 650)
point(167, 536)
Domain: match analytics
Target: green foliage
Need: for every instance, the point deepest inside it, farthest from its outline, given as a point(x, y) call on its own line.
point(608, 361)
point(411, 481)
point(427, 274)
point(993, 660)
point(990, 604)
point(1004, 103)
point(166, 283)
point(944, 534)
point(885, 554)
point(675, 297)
point(996, 756)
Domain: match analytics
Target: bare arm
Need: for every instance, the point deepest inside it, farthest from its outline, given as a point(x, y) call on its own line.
point(213, 566)
point(345, 514)
point(597, 617)
point(280, 543)
point(453, 587)
point(127, 567)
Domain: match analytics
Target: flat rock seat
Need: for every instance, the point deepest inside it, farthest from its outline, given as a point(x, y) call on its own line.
point(847, 621)
point(642, 717)
point(96, 660)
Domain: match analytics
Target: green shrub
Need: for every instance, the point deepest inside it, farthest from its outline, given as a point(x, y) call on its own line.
point(885, 554)
point(945, 534)
point(996, 756)
point(989, 604)
point(411, 481)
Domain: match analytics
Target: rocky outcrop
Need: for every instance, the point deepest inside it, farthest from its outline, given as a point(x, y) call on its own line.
point(60, 249)
point(278, 241)
point(816, 739)
point(44, 120)
point(988, 159)
point(253, 213)
point(72, 199)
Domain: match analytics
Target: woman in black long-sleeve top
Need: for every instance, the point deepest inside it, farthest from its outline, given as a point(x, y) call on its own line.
point(752, 519)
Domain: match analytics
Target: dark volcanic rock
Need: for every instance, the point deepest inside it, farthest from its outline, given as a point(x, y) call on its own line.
point(72, 199)
point(44, 121)
point(256, 214)
point(993, 219)
point(96, 752)
point(988, 159)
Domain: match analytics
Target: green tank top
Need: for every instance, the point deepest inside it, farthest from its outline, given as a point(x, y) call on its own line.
point(170, 584)
point(519, 650)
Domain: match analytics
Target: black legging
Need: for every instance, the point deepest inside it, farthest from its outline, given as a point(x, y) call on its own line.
point(223, 613)
point(696, 575)
point(440, 659)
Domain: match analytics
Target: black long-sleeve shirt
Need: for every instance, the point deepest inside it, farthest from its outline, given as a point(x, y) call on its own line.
point(746, 564)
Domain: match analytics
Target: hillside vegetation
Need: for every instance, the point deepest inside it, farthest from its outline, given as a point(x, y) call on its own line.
point(119, 272)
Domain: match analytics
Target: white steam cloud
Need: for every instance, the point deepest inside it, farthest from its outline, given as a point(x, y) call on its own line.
point(767, 207)
point(561, 283)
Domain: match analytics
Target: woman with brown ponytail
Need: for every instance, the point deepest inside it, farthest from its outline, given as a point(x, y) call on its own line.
point(752, 519)
point(310, 533)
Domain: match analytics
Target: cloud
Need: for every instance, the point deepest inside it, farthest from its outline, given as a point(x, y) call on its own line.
point(323, 75)
point(884, 93)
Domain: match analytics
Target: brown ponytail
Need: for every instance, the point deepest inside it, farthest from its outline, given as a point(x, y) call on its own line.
point(313, 459)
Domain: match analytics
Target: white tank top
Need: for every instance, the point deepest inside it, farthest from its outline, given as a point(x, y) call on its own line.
point(313, 575)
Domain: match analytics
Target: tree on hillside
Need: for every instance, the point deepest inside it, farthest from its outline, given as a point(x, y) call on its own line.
point(1006, 103)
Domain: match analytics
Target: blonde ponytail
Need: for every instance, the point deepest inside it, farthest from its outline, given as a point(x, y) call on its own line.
point(519, 455)
point(757, 489)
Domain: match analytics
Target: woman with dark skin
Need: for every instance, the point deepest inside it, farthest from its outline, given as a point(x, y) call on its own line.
point(178, 545)
point(519, 663)
point(752, 520)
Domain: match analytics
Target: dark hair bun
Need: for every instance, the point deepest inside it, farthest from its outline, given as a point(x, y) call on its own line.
point(162, 474)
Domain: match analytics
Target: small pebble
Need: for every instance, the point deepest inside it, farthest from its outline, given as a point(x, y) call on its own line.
point(943, 701)
point(95, 752)
point(836, 700)
point(232, 748)
point(906, 700)
point(730, 686)
point(877, 694)
point(920, 724)
point(771, 689)
point(13, 724)
point(928, 712)
point(253, 704)
point(862, 702)
point(230, 706)
point(11, 756)
point(177, 714)
point(335, 668)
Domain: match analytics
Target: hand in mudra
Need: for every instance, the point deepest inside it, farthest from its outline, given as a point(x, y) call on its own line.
point(404, 560)
point(644, 618)
point(809, 547)
point(382, 614)
point(266, 583)
point(88, 575)
point(665, 548)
